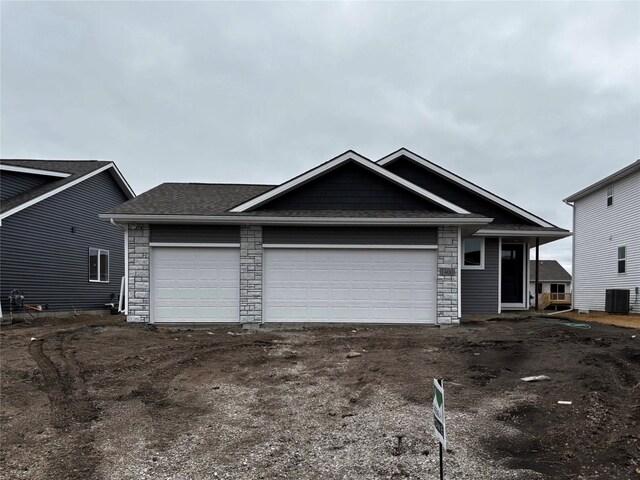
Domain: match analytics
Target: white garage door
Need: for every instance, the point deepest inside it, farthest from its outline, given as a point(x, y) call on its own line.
point(195, 284)
point(349, 285)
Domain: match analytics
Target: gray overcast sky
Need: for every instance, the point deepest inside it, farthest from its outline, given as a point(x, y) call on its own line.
point(532, 101)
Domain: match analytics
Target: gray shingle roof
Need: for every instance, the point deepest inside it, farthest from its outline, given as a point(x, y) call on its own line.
point(189, 199)
point(207, 199)
point(76, 169)
point(550, 271)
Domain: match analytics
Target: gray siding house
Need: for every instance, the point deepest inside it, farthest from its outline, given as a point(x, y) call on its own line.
point(606, 245)
point(53, 245)
point(398, 240)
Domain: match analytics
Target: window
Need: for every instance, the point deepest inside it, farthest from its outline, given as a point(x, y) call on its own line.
point(557, 288)
point(609, 196)
point(98, 265)
point(473, 250)
point(539, 287)
point(622, 259)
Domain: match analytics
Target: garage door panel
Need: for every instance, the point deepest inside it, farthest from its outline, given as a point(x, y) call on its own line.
point(352, 285)
point(195, 284)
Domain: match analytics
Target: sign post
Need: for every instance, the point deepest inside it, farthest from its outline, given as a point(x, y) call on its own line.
point(438, 419)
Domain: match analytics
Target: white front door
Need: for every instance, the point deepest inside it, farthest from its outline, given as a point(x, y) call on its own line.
point(350, 285)
point(195, 284)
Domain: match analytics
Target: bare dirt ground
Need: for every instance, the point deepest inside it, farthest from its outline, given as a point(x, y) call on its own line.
point(96, 398)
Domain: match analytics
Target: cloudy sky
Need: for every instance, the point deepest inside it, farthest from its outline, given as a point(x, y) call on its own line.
point(532, 101)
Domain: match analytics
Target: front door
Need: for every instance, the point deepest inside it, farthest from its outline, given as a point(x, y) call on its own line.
point(512, 286)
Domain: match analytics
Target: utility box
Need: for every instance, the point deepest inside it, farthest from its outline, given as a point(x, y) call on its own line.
point(617, 301)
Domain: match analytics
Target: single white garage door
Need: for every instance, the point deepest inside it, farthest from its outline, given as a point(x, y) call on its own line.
point(349, 285)
point(195, 284)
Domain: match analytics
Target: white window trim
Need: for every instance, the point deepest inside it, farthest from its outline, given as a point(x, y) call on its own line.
point(482, 248)
point(610, 196)
point(100, 251)
point(624, 259)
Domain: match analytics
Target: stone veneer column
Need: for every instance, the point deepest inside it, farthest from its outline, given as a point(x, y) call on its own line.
point(250, 273)
point(138, 273)
point(447, 307)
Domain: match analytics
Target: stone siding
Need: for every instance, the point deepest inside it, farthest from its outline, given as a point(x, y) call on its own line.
point(139, 268)
point(447, 306)
point(251, 256)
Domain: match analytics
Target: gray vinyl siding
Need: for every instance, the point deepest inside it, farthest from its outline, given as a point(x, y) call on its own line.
point(15, 183)
point(43, 257)
point(598, 232)
point(195, 234)
point(350, 187)
point(480, 287)
point(351, 235)
point(453, 193)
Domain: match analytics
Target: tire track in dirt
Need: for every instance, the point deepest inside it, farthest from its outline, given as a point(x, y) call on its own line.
point(73, 455)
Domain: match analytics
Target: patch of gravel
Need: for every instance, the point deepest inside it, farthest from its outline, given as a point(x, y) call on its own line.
point(349, 435)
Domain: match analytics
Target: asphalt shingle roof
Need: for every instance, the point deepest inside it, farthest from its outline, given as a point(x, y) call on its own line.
point(550, 271)
point(76, 169)
point(207, 199)
point(190, 199)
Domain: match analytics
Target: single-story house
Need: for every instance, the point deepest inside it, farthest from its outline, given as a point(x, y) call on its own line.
point(400, 240)
point(552, 279)
point(606, 245)
point(54, 247)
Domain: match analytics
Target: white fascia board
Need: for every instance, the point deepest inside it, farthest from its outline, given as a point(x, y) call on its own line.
point(33, 171)
point(123, 182)
point(464, 183)
point(291, 184)
point(258, 220)
point(519, 233)
point(53, 192)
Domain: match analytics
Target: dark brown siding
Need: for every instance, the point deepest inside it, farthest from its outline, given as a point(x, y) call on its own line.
point(351, 235)
point(50, 263)
point(480, 287)
point(15, 183)
point(195, 234)
point(350, 187)
point(455, 194)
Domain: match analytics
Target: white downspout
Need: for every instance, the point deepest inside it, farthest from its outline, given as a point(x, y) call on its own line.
point(573, 263)
point(125, 228)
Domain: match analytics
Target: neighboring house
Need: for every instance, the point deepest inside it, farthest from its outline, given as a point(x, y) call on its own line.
point(552, 279)
point(400, 240)
point(53, 246)
point(606, 245)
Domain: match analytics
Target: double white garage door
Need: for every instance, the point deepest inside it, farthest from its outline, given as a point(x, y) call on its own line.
point(299, 285)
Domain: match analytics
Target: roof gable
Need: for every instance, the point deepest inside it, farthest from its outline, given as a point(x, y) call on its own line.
point(350, 187)
point(605, 182)
point(455, 189)
point(63, 173)
point(348, 181)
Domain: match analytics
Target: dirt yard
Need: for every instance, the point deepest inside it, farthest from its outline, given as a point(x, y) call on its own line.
point(97, 398)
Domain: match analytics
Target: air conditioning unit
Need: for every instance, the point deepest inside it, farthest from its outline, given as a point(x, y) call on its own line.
point(617, 301)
